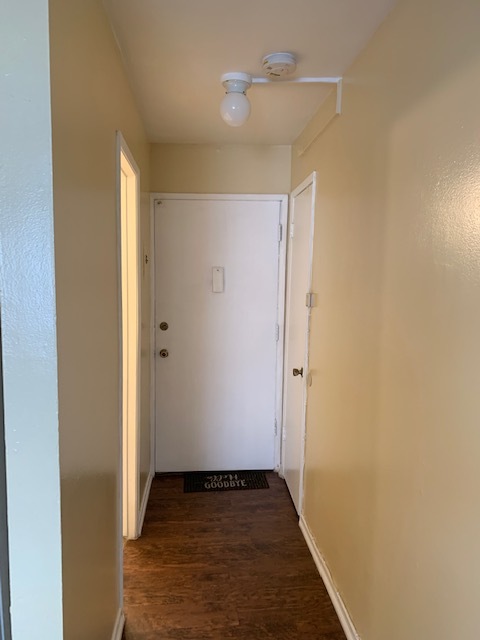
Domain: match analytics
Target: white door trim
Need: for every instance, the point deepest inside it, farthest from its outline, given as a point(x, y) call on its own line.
point(282, 199)
point(130, 447)
point(5, 626)
point(282, 274)
point(269, 197)
point(152, 345)
point(311, 180)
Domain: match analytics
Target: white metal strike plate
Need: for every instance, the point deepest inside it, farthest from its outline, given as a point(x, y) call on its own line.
point(310, 300)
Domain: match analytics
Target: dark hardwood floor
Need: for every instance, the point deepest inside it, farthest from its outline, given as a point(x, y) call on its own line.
point(224, 566)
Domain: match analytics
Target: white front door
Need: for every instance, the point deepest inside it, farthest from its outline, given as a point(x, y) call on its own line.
point(299, 273)
point(216, 286)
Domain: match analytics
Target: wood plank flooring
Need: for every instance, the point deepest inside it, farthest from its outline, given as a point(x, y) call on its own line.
point(223, 566)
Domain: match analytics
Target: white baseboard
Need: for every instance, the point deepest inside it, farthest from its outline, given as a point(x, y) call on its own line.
point(335, 597)
point(119, 624)
point(143, 506)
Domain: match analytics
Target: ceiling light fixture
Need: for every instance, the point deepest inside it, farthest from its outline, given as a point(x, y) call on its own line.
point(235, 106)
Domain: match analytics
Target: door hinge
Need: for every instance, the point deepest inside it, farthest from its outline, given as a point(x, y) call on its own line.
point(277, 332)
point(284, 434)
point(280, 232)
point(310, 300)
point(292, 230)
point(275, 427)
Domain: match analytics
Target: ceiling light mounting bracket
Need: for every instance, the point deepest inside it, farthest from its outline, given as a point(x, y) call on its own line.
point(335, 80)
point(235, 107)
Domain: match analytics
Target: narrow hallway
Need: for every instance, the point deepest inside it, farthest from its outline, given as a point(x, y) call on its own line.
point(224, 566)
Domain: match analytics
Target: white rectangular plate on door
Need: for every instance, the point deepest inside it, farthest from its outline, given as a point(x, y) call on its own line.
point(218, 279)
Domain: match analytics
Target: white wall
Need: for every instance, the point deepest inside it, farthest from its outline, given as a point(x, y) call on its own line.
point(27, 300)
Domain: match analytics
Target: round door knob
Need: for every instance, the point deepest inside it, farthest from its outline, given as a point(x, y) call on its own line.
point(298, 372)
point(164, 353)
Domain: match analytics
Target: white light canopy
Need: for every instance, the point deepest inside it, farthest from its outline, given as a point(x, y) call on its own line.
point(235, 106)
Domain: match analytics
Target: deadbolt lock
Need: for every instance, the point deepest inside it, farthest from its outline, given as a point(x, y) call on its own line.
point(164, 326)
point(163, 353)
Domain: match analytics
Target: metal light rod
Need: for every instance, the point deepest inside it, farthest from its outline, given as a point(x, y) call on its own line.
point(324, 80)
point(336, 80)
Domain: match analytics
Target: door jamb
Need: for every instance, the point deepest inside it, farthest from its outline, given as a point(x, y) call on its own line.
point(283, 200)
point(153, 337)
point(310, 180)
point(281, 302)
point(131, 501)
point(5, 624)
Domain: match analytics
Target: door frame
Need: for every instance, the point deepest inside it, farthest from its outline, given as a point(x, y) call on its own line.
point(5, 626)
point(311, 180)
point(129, 486)
point(282, 199)
point(152, 344)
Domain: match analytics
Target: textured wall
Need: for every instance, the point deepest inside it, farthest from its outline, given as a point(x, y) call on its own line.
point(392, 474)
point(27, 303)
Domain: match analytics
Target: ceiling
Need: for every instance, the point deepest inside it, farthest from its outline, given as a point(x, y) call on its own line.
point(176, 50)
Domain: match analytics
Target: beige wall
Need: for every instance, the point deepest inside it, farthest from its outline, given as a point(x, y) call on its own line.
point(90, 101)
point(202, 168)
point(392, 474)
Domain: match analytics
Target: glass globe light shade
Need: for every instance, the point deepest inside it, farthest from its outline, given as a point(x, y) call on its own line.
point(235, 109)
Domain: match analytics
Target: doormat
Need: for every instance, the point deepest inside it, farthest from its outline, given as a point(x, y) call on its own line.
point(224, 481)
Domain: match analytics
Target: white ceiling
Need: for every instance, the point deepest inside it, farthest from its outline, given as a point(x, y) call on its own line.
point(176, 50)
